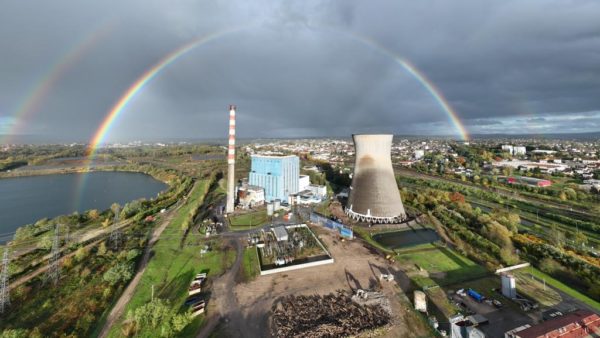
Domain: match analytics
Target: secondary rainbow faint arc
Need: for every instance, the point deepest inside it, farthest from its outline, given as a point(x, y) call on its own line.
point(146, 77)
point(55, 72)
point(118, 108)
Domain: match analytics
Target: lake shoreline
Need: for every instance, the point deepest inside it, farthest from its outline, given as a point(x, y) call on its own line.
point(167, 185)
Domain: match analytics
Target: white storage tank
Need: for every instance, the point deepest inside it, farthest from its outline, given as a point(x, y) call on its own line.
point(276, 204)
point(509, 286)
point(270, 209)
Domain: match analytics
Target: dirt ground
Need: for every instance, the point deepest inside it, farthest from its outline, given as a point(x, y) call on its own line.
point(355, 267)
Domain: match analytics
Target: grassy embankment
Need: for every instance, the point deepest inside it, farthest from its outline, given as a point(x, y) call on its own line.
point(174, 264)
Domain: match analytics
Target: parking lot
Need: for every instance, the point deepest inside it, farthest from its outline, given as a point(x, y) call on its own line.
point(500, 319)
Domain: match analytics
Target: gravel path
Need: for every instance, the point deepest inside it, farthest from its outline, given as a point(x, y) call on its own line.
point(119, 307)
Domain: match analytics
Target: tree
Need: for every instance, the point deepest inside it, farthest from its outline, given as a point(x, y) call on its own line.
point(457, 197)
point(101, 249)
point(132, 254)
point(80, 254)
point(549, 265)
point(498, 234)
point(120, 272)
point(158, 317)
point(557, 237)
point(580, 239)
point(94, 214)
point(45, 243)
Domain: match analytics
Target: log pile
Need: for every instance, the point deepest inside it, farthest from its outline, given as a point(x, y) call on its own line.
point(332, 315)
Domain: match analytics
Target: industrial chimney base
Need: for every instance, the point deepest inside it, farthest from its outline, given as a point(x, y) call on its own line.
point(375, 220)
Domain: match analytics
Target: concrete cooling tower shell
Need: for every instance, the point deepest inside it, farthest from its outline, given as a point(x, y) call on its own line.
point(374, 195)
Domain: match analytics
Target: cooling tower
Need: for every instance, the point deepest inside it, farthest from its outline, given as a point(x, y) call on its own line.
point(374, 195)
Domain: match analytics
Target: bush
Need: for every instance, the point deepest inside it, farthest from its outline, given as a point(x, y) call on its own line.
point(133, 254)
point(121, 272)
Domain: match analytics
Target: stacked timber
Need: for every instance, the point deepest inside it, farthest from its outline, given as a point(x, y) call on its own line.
point(332, 315)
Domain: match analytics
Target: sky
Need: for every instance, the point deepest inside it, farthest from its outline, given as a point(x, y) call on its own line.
point(298, 68)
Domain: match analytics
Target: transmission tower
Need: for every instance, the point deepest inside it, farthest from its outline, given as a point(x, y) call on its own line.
point(115, 234)
point(53, 273)
point(4, 291)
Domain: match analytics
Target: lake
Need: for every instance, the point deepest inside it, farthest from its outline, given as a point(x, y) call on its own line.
point(406, 238)
point(24, 200)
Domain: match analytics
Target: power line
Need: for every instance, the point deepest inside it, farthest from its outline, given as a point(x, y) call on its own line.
point(53, 273)
point(4, 290)
point(115, 233)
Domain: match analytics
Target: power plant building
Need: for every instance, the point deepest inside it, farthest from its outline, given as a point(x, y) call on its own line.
point(374, 196)
point(278, 175)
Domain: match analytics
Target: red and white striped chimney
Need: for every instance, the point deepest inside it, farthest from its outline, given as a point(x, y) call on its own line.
point(231, 162)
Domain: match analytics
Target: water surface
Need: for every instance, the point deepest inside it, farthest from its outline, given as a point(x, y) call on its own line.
point(24, 200)
point(406, 238)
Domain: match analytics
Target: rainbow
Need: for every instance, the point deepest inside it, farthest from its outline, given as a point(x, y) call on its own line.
point(170, 58)
point(439, 97)
point(141, 81)
point(418, 75)
point(43, 86)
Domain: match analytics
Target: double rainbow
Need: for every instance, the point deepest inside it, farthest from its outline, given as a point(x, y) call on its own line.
point(144, 79)
point(170, 58)
point(44, 85)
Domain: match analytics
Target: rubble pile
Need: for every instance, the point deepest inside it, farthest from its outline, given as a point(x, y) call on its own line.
point(332, 315)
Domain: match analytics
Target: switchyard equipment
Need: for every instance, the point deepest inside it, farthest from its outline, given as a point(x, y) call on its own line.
point(374, 195)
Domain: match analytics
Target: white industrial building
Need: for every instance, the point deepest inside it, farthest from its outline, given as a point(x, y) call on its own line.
point(514, 150)
point(303, 182)
point(518, 150)
point(311, 195)
point(280, 233)
point(250, 196)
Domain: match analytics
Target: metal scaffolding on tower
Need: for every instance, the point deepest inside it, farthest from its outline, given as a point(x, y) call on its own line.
point(4, 286)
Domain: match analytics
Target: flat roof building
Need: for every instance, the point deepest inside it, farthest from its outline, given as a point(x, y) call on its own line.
point(580, 323)
point(280, 233)
point(278, 175)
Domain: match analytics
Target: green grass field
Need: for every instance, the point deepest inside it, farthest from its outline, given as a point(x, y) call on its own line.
point(250, 268)
point(248, 221)
point(444, 265)
point(564, 288)
point(173, 265)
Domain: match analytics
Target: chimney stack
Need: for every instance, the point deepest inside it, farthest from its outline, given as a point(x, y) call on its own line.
point(231, 162)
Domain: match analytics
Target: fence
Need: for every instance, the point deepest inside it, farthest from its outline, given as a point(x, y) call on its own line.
point(322, 220)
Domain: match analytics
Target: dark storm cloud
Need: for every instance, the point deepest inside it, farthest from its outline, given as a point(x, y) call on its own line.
point(297, 70)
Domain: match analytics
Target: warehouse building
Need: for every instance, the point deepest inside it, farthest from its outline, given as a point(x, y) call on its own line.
point(580, 323)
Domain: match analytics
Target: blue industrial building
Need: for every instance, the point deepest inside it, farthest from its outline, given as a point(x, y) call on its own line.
point(278, 175)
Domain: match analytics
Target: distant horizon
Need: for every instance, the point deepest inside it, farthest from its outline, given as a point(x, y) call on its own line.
point(43, 139)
